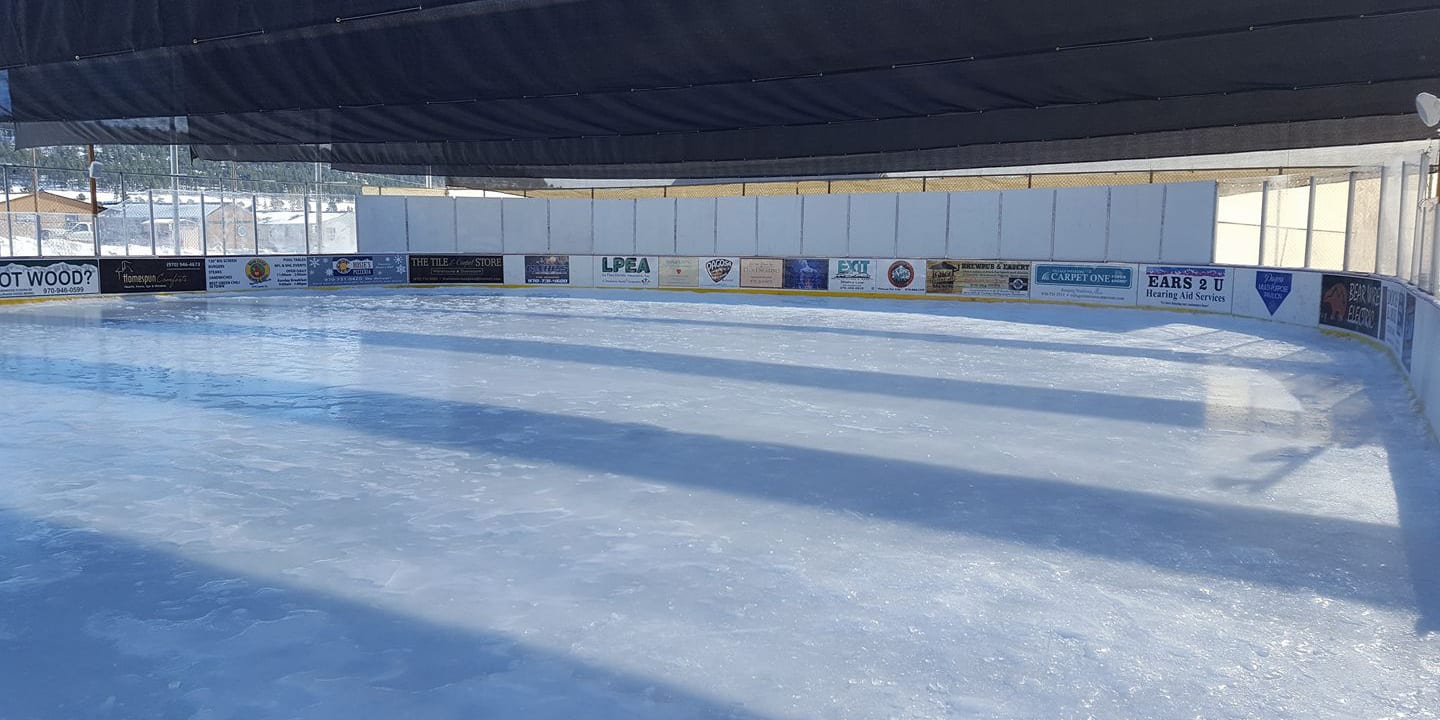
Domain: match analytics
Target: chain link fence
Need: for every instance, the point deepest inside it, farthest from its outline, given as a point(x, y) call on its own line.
point(149, 215)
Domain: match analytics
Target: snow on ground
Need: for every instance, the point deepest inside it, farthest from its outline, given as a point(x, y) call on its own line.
point(451, 504)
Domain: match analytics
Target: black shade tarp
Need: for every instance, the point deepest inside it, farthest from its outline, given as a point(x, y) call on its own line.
point(702, 87)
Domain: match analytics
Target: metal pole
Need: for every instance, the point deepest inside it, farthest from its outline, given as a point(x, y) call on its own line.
point(1310, 227)
point(124, 214)
point(94, 201)
point(204, 228)
point(306, 202)
point(1264, 211)
point(1400, 224)
point(255, 221)
point(1349, 221)
point(9, 216)
point(150, 202)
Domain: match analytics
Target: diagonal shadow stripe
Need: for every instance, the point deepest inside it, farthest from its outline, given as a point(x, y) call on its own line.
point(1338, 558)
point(1083, 403)
point(388, 662)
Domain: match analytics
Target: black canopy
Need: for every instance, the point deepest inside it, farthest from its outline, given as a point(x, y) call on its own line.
point(705, 88)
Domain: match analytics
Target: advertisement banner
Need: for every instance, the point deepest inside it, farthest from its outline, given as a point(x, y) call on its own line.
point(762, 273)
point(48, 278)
point(900, 276)
point(1109, 284)
point(622, 271)
point(719, 272)
point(978, 278)
point(547, 269)
point(132, 275)
point(457, 269)
point(679, 272)
point(343, 271)
point(256, 273)
point(1273, 288)
point(852, 275)
point(807, 274)
point(1351, 303)
point(1398, 325)
point(1189, 287)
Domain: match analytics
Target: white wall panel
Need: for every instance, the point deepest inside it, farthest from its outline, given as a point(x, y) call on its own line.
point(825, 228)
point(735, 226)
point(1188, 234)
point(1081, 215)
point(1135, 223)
point(695, 226)
point(380, 224)
point(477, 225)
point(527, 226)
point(1301, 306)
point(921, 224)
point(1027, 223)
point(778, 225)
point(974, 232)
point(1425, 363)
point(571, 227)
point(614, 229)
point(432, 224)
point(873, 218)
point(655, 226)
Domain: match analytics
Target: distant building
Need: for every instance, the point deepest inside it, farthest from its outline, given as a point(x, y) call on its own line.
point(228, 228)
point(46, 203)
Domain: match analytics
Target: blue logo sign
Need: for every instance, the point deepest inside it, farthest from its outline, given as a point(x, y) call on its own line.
point(1085, 275)
point(1273, 287)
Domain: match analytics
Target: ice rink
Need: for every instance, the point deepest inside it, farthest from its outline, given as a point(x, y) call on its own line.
point(451, 504)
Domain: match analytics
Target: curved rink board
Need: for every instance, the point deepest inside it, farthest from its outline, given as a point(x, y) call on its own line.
point(440, 504)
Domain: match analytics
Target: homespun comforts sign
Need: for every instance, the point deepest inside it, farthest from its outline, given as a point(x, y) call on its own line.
point(616, 271)
point(1110, 284)
point(1195, 288)
point(49, 278)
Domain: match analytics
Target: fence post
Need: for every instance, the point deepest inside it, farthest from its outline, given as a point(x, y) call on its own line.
point(205, 228)
point(255, 221)
point(9, 214)
point(1401, 271)
point(305, 201)
point(1349, 222)
point(150, 202)
point(1264, 212)
point(1310, 227)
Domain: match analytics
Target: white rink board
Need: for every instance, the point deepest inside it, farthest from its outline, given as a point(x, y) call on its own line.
point(1294, 296)
point(852, 275)
point(48, 278)
point(719, 272)
point(628, 271)
point(269, 272)
point(1186, 287)
point(1110, 283)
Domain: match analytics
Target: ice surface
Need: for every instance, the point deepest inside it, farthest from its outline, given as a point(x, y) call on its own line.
point(450, 504)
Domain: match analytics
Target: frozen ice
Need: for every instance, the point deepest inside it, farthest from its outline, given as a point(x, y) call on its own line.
point(493, 504)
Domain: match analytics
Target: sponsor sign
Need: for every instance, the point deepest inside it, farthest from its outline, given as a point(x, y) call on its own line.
point(256, 273)
point(899, 276)
point(48, 278)
point(978, 278)
point(133, 275)
point(679, 272)
point(626, 271)
point(1109, 284)
point(1351, 303)
point(806, 274)
point(1190, 287)
point(458, 269)
point(762, 273)
point(1273, 288)
point(1399, 323)
point(332, 271)
point(547, 269)
point(719, 272)
point(852, 275)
